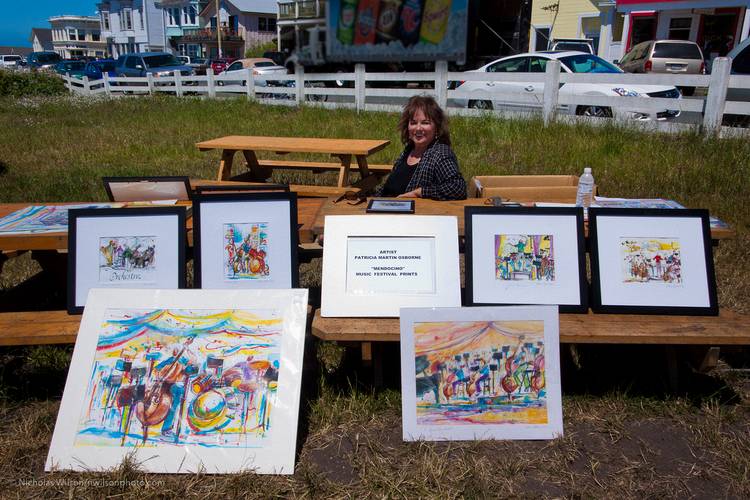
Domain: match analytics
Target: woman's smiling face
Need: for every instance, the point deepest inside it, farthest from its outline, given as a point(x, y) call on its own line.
point(421, 130)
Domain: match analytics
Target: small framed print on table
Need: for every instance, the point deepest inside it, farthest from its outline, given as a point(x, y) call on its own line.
point(517, 255)
point(390, 206)
point(652, 261)
point(147, 188)
point(375, 264)
point(124, 248)
point(246, 240)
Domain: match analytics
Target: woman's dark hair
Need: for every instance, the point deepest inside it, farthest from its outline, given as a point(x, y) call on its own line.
point(432, 110)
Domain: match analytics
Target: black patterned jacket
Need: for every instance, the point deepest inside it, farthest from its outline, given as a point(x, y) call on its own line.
point(436, 173)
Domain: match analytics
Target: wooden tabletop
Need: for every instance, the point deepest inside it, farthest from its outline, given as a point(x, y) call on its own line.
point(295, 144)
point(433, 207)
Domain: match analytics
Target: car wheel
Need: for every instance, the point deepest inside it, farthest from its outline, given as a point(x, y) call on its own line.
point(480, 104)
point(596, 111)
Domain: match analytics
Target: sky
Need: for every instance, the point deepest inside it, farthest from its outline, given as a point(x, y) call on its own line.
point(19, 16)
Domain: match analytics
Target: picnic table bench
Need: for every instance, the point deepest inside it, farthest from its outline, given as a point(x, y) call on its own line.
point(261, 169)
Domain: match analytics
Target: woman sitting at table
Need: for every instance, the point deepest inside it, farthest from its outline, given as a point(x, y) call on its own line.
point(427, 168)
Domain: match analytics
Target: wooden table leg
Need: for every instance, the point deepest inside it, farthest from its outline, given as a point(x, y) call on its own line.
point(257, 172)
point(364, 172)
point(225, 167)
point(346, 161)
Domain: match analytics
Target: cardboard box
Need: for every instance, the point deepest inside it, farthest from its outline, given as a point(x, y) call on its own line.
point(526, 188)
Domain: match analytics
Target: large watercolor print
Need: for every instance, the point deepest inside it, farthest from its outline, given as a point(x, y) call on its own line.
point(651, 260)
point(527, 257)
point(43, 218)
point(480, 372)
point(124, 259)
point(246, 251)
point(182, 377)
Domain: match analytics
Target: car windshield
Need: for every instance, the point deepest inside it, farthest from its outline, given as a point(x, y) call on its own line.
point(583, 47)
point(47, 58)
point(587, 63)
point(161, 60)
point(677, 51)
point(105, 66)
point(12, 58)
point(264, 64)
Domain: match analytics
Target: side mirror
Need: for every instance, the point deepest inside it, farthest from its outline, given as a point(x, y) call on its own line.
point(138, 66)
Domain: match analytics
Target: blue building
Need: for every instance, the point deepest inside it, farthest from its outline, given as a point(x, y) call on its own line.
point(132, 26)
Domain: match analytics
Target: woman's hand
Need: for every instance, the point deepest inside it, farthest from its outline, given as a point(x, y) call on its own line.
point(417, 193)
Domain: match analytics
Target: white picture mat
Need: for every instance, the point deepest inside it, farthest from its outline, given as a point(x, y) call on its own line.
point(375, 276)
point(165, 228)
point(213, 217)
point(412, 431)
point(566, 287)
point(336, 302)
point(276, 458)
point(692, 292)
point(148, 190)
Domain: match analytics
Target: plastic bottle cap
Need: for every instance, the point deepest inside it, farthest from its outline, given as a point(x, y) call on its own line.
point(587, 170)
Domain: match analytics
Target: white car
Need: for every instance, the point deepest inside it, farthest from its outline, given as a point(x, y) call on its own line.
point(261, 66)
point(10, 61)
point(570, 62)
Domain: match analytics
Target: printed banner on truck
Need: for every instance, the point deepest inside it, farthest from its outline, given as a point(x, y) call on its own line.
point(396, 30)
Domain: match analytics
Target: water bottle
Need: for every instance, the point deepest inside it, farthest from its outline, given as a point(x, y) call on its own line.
point(585, 192)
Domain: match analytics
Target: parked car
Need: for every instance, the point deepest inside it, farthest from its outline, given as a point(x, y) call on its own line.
point(220, 64)
point(199, 64)
point(42, 60)
point(261, 67)
point(158, 64)
point(679, 57)
point(95, 70)
point(579, 44)
point(70, 67)
point(570, 62)
point(11, 61)
point(740, 56)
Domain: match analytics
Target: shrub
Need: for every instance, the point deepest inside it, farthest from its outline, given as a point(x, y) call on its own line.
point(258, 50)
point(18, 84)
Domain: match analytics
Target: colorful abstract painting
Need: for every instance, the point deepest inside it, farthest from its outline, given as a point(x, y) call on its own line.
point(651, 260)
point(246, 251)
point(527, 257)
point(182, 377)
point(43, 218)
point(480, 372)
point(127, 259)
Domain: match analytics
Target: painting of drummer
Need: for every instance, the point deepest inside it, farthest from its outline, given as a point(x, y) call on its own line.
point(175, 370)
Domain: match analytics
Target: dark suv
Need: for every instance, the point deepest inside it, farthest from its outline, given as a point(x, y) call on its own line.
point(158, 64)
point(42, 60)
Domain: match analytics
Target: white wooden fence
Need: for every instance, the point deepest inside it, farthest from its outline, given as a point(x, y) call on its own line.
point(361, 90)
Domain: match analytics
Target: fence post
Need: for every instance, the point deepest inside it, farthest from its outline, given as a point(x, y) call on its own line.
point(86, 85)
point(359, 86)
point(150, 80)
point(717, 96)
point(551, 91)
point(178, 83)
point(107, 90)
point(441, 83)
point(68, 82)
point(250, 84)
point(299, 82)
point(211, 83)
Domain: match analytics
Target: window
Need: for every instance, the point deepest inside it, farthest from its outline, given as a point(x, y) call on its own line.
point(590, 28)
point(72, 34)
point(679, 28)
point(126, 19)
point(173, 17)
point(266, 24)
point(189, 15)
point(741, 62)
point(132, 62)
point(517, 65)
point(541, 38)
point(140, 14)
point(539, 65)
point(677, 50)
point(95, 36)
point(105, 20)
point(235, 66)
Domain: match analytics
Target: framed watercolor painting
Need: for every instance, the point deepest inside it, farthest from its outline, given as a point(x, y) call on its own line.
point(124, 248)
point(184, 381)
point(517, 255)
point(652, 261)
point(147, 188)
point(480, 373)
point(246, 240)
point(375, 264)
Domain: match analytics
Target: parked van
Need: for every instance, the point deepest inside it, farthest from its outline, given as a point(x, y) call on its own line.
point(11, 61)
point(43, 60)
point(159, 64)
point(679, 57)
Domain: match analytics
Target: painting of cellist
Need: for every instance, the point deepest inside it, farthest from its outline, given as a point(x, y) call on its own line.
point(480, 372)
point(182, 377)
point(246, 251)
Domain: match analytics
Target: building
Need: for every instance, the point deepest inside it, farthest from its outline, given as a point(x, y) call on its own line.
point(616, 25)
point(243, 24)
point(181, 17)
point(77, 36)
point(21, 51)
point(41, 39)
point(132, 26)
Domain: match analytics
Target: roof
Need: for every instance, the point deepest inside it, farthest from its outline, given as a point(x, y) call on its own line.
point(21, 51)
point(259, 6)
point(44, 35)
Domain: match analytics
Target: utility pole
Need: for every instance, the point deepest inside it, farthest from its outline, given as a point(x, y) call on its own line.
point(218, 26)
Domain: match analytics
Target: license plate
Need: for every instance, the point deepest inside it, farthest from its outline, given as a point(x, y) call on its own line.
point(676, 67)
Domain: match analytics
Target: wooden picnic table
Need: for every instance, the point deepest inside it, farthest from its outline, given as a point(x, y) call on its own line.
point(261, 169)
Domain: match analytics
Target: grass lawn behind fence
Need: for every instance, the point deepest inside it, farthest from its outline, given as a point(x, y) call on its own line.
point(616, 443)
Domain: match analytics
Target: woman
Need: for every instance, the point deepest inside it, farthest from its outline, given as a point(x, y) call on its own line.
point(427, 168)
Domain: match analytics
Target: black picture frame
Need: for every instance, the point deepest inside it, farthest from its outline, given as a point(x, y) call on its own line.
point(75, 215)
point(225, 189)
point(200, 201)
point(701, 216)
point(542, 212)
point(108, 181)
point(406, 206)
